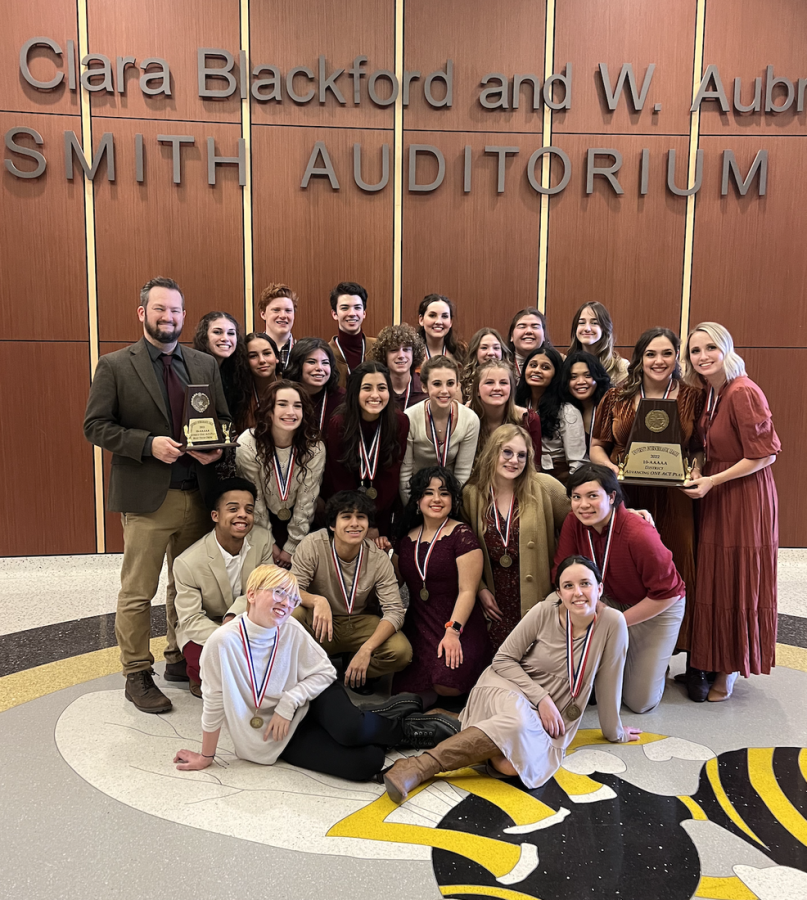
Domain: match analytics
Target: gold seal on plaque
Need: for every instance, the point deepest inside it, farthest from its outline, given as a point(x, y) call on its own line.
point(200, 402)
point(657, 420)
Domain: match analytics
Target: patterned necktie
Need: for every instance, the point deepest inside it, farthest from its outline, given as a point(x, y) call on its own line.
point(176, 394)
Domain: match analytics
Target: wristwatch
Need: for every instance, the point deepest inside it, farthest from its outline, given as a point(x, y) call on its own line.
point(455, 625)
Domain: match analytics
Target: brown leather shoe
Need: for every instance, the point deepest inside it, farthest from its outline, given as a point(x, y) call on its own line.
point(195, 688)
point(176, 671)
point(146, 696)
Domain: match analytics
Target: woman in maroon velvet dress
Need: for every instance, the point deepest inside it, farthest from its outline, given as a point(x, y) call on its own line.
point(735, 618)
point(440, 560)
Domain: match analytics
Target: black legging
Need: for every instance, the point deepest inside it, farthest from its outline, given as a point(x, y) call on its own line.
point(337, 738)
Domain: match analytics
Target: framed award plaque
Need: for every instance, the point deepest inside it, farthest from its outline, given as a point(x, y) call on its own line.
point(655, 455)
point(201, 428)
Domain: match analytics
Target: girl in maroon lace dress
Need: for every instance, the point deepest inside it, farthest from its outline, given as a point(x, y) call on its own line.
point(440, 560)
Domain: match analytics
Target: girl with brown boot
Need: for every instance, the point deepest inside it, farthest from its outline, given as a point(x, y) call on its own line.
point(526, 708)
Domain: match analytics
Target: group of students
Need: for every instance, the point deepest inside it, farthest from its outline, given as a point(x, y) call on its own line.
point(483, 479)
point(449, 514)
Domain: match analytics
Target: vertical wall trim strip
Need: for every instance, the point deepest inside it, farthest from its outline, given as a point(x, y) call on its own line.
point(543, 236)
point(92, 283)
point(397, 212)
point(246, 191)
point(694, 137)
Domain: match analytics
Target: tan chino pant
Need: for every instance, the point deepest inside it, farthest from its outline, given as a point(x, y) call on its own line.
point(147, 538)
point(350, 632)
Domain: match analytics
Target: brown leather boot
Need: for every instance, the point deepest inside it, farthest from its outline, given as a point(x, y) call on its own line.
point(146, 696)
point(467, 748)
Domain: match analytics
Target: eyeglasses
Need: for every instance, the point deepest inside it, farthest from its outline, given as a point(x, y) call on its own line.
point(507, 453)
point(281, 596)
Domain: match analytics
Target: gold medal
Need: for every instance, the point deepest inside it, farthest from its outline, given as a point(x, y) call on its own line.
point(573, 712)
point(256, 722)
point(424, 593)
point(372, 493)
point(284, 514)
point(506, 561)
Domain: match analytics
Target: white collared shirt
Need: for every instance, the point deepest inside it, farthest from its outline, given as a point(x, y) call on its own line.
point(234, 565)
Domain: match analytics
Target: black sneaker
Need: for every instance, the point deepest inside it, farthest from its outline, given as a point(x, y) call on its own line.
point(422, 732)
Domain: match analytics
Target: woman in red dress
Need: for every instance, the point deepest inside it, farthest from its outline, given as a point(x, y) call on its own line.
point(735, 617)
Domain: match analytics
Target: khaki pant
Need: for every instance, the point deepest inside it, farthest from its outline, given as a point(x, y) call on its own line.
point(147, 537)
point(350, 632)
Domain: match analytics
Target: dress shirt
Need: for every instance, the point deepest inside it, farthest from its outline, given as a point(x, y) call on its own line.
point(234, 565)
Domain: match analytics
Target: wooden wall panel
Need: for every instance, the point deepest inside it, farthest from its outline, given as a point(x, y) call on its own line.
point(589, 32)
point(54, 19)
point(624, 251)
point(174, 32)
point(742, 38)
point(480, 38)
point(773, 369)
point(312, 239)
point(749, 268)
point(191, 232)
point(287, 35)
point(480, 248)
point(42, 224)
point(45, 463)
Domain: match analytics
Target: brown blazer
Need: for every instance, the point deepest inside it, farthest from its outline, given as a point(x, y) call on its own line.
point(341, 365)
point(125, 407)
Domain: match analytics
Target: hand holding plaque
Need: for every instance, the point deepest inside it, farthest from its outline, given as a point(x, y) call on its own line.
point(201, 428)
point(654, 454)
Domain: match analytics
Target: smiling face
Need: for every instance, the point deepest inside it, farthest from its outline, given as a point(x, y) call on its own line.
point(494, 387)
point(589, 330)
point(351, 527)
point(271, 607)
point(316, 370)
point(261, 357)
point(512, 458)
point(591, 504)
point(163, 316)
point(436, 321)
point(373, 395)
point(581, 385)
point(221, 338)
point(400, 360)
point(539, 372)
point(234, 515)
point(349, 313)
point(279, 318)
point(441, 386)
point(489, 348)
point(705, 356)
point(287, 413)
point(435, 504)
point(658, 360)
point(528, 334)
point(579, 590)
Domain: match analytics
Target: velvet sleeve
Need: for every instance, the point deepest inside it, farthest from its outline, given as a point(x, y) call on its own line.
point(604, 424)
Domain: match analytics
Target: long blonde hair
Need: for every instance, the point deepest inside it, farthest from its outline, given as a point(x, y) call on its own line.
point(733, 363)
point(526, 487)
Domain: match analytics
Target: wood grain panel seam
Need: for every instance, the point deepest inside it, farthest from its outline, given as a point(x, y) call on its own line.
point(246, 191)
point(397, 208)
point(694, 139)
point(92, 279)
point(543, 234)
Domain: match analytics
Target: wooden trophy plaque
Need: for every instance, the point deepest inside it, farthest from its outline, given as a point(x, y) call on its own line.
point(201, 428)
point(655, 455)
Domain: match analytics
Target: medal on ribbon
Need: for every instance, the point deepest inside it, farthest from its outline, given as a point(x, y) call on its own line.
point(504, 533)
point(442, 455)
point(363, 348)
point(283, 483)
point(593, 557)
point(666, 392)
point(349, 596)
point(573, 711)
point(423, 570)
point(258, 691)
point(368, 460)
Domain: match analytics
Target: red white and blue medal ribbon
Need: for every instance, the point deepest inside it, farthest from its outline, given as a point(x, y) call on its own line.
point(606, 555)
point(323, 404)
point(711, 408)
point(576, 677)
point(408, 392)
point(442, 352)
point(442, 455)
point(363, 349)
point(368, 459)
point(349, 596)
point(506, 536)
point(258, 691)
point(666, 392)
point(422, 570)
point(283, 481)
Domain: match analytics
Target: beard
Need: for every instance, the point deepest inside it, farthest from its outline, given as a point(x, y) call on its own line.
point(162, 335)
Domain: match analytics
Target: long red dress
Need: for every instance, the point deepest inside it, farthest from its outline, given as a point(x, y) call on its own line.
point(735, 617)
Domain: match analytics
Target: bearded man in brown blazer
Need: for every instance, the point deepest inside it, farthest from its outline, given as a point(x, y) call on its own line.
point(135, 411)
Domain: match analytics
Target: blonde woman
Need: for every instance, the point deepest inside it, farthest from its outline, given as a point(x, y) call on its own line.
point(735, 616)
point(516, 514)
point(486, 345)
point(276, 690)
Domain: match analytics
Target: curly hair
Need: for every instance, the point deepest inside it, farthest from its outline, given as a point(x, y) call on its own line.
point(349, 501)
point(272, 292)
point(633, 381)
point(551, 400)
point(305, 437)
point(472, 363)
point(389, 451)
point(298, 355)
point(412, 517)
point(526, 486)
point(236, 376)
point(394, 336)
point(597, 372)
point(456, 347)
